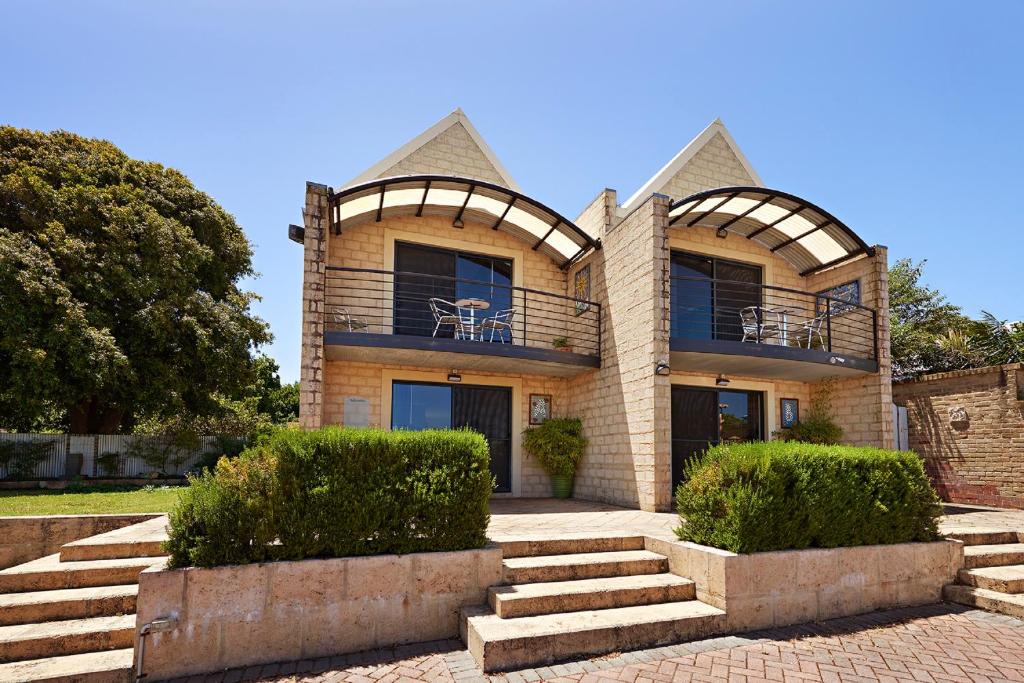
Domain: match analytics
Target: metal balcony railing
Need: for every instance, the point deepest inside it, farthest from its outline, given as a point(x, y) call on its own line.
point(732, 311)
point(370, 301)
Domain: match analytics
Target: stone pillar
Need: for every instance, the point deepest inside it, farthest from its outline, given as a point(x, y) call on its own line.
point(316, 221)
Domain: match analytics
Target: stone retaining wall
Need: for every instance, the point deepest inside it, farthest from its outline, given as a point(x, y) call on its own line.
point(238, 616)
point(765, 590)
point(29, 538)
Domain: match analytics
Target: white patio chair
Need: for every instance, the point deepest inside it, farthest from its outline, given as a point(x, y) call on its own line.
point(501, 320)
point(345, 320)
point(811, 328)
point(444, 314)
point(760, 324)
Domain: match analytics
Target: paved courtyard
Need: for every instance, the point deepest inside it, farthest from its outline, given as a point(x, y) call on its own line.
point(942, 642)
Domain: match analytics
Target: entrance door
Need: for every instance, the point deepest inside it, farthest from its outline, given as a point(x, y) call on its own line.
point(487, 410)
point(705, 417)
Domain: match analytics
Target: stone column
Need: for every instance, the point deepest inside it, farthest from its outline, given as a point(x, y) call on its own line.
point(316, 220)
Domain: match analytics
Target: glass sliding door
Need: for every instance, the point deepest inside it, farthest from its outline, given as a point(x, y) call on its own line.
point(707, 295)
point(703, 417)
point(487, 410)
point(448, 275)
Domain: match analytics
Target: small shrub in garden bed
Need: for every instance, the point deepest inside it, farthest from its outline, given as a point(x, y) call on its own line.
point(755, 497)
point(337, 492)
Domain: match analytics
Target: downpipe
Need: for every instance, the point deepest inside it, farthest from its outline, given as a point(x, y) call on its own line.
point(156, 626)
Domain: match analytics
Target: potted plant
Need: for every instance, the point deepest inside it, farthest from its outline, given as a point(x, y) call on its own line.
point(561, 344)
point(558, 445)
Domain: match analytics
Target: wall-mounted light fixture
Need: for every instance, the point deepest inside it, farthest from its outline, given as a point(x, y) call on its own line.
point(721, 382)
point(662, 368)
point(454, 376)
point(722, 232)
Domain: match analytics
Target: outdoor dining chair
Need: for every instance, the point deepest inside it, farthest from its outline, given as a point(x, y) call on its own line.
point(499, 322)
point(812, 328)
point(444, 314)
point(760, 324)
point(345, 320)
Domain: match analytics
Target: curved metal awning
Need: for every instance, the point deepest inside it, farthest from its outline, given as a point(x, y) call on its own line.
point(463, 199)
point(803, 233)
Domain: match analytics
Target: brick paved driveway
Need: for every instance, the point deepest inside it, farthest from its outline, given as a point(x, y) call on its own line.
point(934, 643)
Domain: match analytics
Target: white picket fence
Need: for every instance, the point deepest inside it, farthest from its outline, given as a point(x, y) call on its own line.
point(87, 455)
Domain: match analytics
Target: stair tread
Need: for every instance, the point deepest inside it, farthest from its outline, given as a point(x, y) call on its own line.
point(555, 588)
point(150, 530)
point(52, 563)
point(56, 629)
point(1003, 573)
point(1011, 604)
point(581, 558)
point(993, 549)
point(86, 666)
point(66, 594)
point(490, 627)
point(985, 536)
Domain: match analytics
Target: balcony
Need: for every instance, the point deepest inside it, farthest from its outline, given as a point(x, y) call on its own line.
point(744, 328)
point(422, 320)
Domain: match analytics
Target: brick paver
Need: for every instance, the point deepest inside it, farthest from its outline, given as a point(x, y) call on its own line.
point(940, 643)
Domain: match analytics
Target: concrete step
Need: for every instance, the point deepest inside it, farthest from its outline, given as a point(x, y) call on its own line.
point(532, 599)
point(70, 603)
point(565, 544)
point(138, 540)
point(1008, 579)
point(986, 536)
point(110, 666)
point(982, 598)
point(999, 555)
point(576, 566)
point(505, 644)
point(49, 573)
point(56, 638)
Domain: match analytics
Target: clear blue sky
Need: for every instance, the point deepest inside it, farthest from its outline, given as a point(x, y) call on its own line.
point(904, 119)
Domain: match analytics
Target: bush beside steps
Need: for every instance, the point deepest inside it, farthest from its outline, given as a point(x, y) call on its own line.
point(336, 492)
point(755, 497)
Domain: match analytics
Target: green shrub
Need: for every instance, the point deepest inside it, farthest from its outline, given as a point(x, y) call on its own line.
point(337, 492)
point(20, 458)
point(818, 426)
point(755, 497)
point(558, 445)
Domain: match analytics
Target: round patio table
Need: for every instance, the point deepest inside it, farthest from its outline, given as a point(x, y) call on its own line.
point(473, 305)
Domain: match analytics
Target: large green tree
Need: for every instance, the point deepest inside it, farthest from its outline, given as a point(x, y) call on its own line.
point(119, 288)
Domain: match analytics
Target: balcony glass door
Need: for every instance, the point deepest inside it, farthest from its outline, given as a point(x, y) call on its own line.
point(707, 295)
point(705, 417)
point(448, 275)
point(487, 410)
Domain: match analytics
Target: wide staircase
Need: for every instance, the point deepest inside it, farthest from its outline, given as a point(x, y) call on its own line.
point(569, 597)
point(993, 573)
point(71, 616)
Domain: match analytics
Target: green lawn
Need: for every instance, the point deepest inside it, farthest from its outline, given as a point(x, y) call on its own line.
point(84, 501)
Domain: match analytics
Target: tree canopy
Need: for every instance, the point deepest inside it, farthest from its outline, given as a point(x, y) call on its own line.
point(929, 334)
point(119, 288)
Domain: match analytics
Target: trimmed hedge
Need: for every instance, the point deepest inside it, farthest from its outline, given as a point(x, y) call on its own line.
point(336, 492)
point(755, 497)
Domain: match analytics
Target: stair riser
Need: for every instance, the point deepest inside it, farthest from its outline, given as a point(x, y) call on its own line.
point(55, 646)
point(999, 585)
point(110, 551)
point(964, 596)
point(986, 537)
point(526, 652)
point(575, 572)
point(570, 546)
point(1001, 559)
point(577, 602)
point(67, 609)
point(78, 578)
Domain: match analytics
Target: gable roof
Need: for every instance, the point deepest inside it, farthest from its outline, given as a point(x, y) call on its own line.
point(687, 153)
point(456, 118)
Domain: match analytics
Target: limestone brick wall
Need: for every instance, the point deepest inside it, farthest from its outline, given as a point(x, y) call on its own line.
point(714, 165)
point(452, 152)
point(974, 456)
point(863, 405)
point(345, 379)
point(314, 260)
point(624, 405)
